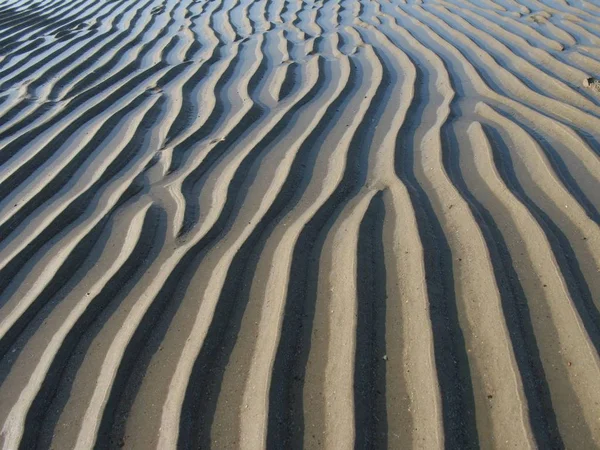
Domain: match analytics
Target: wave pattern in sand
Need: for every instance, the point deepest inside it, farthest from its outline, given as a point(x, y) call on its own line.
point(290, 223)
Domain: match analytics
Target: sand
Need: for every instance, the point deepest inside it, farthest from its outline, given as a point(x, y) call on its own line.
point(299, 224)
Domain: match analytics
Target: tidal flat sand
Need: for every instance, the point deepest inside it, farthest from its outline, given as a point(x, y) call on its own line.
point(286, 224)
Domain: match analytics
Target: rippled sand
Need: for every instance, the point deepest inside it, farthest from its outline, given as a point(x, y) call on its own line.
point(299, 224)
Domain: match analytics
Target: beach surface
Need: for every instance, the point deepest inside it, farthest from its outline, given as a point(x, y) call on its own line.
point(290, 224)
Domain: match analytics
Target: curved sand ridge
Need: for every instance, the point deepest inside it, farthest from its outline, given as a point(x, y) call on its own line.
point(299, 224)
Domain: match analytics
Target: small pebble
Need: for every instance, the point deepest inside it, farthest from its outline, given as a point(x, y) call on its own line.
point(587, 82)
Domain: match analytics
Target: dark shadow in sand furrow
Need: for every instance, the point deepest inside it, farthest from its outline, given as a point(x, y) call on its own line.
point(452, 364)
point(561, 247)
point(66, 80)
point(516, 311)
point(109, 39)
point(64, 176)
point(194, 181)
point(29, 321)
point(560, 168)
point(55, 26)
point(216, 350)
point(190, 106)
point(286, 402)
point(112, 46)
point(215, 118)
point(503, 56)
point(16, 110)
point(106, 300)
point(370, 367)
point(564, 257)
point(163, 311)
point(82, 206)
point(24, 141)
